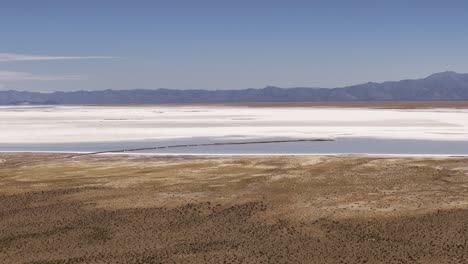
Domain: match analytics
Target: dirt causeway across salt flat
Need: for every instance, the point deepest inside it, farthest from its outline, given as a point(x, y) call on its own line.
point(281, 209)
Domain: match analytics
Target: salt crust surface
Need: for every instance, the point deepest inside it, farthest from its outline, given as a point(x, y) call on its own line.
point(67, 124)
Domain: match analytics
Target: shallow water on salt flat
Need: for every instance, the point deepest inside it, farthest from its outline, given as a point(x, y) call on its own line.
point(340, 146)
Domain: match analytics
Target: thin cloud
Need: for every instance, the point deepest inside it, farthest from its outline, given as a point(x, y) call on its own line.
point(9, 76)
point(10, 57)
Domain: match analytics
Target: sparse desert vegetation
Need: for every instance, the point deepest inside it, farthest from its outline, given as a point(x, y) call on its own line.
point(283, 209)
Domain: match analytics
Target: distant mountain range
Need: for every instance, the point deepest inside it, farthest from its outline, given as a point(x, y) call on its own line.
point(444, 86)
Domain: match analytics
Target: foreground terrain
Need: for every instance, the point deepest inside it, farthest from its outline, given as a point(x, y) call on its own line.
point(57, 208)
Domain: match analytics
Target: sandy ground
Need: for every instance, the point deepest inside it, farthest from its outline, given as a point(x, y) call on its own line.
point(283, 209)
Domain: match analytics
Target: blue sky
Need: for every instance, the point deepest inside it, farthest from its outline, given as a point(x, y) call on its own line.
point(94, 45)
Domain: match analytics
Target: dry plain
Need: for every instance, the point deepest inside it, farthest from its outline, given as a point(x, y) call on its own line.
point(58, 208)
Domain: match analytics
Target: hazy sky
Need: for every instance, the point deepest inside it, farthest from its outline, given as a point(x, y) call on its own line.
point(93, 45)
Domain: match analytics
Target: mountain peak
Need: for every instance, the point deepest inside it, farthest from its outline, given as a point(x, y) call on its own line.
point(445, 74)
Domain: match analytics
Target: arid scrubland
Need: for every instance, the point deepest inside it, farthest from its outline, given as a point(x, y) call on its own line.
point(283, 209)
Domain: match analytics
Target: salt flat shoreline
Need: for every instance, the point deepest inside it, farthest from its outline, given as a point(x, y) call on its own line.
point(240, 154)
